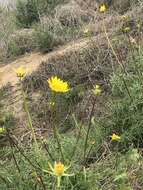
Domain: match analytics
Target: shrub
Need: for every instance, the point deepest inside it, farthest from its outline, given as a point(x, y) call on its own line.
point(27, 13)
point(71, 15)
point(47, 36)
point(30, 11)
point(20, 43)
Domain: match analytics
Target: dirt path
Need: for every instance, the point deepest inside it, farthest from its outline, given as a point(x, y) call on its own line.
point(14, 103)
point(31, 62)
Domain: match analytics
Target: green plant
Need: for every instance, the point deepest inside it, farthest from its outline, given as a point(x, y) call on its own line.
point(127, 111)
point(27, 13)
point(14, 50)
point(46, 38)
point(20, 43)
point(6, 118)
point(30, 11)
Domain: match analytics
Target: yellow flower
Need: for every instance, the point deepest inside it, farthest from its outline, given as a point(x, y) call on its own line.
point(58, 85)
point(126, 29)
point(2, 130)
point(102, 8)
point(115, 137)
point(58, 170)
point(43, 140)
point(93, 142)
point(87, 31)
point(97, 90)
point(51, 103)
point(20, 72)
point(139, 25)
point(124, 17)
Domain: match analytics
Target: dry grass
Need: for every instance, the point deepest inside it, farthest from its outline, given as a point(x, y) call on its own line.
point(7, 27)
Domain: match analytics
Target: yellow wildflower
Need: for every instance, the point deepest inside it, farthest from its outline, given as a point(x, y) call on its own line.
point(20, 72)
point(93, 142)
point(2, 130)
point(102, 8)
point(124, 17)
point(115, 137)
point(51, 103)
point(87, 32)
point(58, 170)
point(58, 85)
point(139, 25)
point(43, 140)
point(126, 29)
point(97, 90)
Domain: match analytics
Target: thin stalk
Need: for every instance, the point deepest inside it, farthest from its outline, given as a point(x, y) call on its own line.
point(88, 130)
point(30, 125)
point(49, 153)
point(113, 51)
point(58, 183)
point(121, 65)
point(42, 183)
point(88, 153)
point(55, 131)
point(26, 158)
point(58, 141)
point(14, 158)
point(29, 121)
point(77, 140)
point(15, 161)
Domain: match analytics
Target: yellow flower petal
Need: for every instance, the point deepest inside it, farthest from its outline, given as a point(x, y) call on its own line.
point(20, 72)
point(97, 90)
point(126, 29)
point(2, 130)
point(102, 8)
point(58, 85)
point(115, 137)
point(59, 169)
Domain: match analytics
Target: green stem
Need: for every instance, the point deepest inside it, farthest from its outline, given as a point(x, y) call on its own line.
point(58, 182)
point(30, 125)
point(88, 131)
point(13, 155)
point(77, 140)
point(58, 142)
point(119, 62)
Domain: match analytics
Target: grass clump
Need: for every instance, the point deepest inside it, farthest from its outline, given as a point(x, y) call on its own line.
point(21, 42)
point(127, 107)
point(112, 172)
point(47, 36)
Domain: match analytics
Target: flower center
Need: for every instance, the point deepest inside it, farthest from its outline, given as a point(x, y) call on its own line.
point(59, 169)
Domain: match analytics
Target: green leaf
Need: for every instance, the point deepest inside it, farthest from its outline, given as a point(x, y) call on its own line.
point(122, 176)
